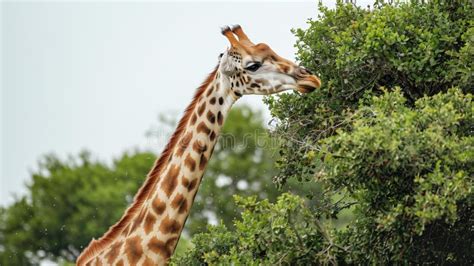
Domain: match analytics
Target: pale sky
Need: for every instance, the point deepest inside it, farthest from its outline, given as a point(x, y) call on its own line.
point(95, 75)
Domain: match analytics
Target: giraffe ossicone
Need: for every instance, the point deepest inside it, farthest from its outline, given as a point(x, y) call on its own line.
point(149, 230)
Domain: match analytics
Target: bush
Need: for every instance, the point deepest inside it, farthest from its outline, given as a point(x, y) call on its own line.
point(411, 172)
point(423, 48)
point(285, 232)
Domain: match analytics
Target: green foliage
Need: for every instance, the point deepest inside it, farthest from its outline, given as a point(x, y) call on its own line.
point(409, 44)
point(69, 202)
point(411, 171)
point(13, 233)
point(284, 232)
point(423, 48)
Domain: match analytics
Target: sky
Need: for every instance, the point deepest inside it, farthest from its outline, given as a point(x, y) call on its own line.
point(95, 75)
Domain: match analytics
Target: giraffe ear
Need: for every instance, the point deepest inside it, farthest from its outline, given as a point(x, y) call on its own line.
point(228, 65)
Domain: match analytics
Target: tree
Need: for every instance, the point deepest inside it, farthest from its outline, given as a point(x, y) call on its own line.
point(411, 171)
point(284, 232)
point(388, 137)
point(68, 203)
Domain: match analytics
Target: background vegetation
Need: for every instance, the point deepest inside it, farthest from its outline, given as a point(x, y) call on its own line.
point(375, 167)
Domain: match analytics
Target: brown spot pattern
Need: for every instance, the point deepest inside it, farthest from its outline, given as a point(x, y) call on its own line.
point(212, 100)
point(221, 100)
point(148, 262)
point(158, 206)
point(203, 128)
point(183, 144)
point(120, 263)
point(211, 117)
point(202, 162)
point(184, 181)
point(190, 185)
point(220, 118)
point(199, 147)
point(139, 219)
point(142, 214)
point(149, 222)
point(97, 262)
point(169, 225)
point(193, 119)
point(171, 180)
point(209, 91)
point(189, 162)
point(212, 136)
point(159, 247)
point(113, 252)
point(201, 108)
point(133, 250)
point(171, 243)
point(179, 202)
point(165, 249)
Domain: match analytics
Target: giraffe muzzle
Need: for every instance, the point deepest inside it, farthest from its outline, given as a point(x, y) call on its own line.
point(306, 81)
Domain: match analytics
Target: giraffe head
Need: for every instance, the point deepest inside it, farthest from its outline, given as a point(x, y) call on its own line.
point(257, 69)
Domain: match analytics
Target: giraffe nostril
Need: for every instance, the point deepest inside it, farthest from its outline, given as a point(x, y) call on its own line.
point(305, 71)
point(302, 72)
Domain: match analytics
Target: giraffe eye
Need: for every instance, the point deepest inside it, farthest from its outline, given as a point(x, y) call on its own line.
point(253, 66)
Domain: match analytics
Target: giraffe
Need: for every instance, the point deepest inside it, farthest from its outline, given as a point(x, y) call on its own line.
point(149, 230)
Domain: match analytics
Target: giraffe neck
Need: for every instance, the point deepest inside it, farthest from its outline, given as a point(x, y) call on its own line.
point(149, 230)
point(170, 203)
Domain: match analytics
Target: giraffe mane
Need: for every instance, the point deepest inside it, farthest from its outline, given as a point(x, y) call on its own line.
point(97, 246)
